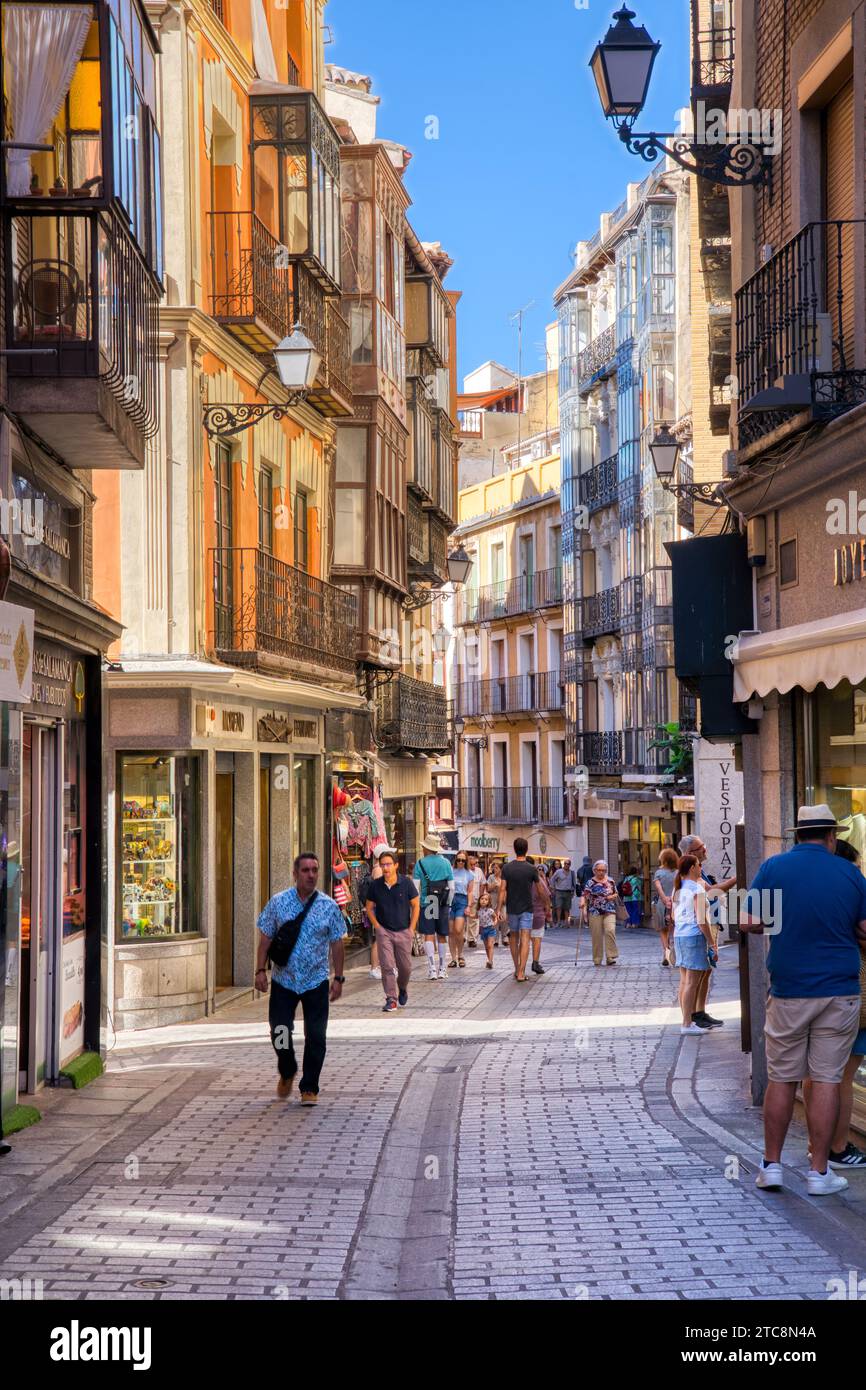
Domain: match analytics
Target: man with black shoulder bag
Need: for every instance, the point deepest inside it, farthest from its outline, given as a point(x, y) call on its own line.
point(296, 930)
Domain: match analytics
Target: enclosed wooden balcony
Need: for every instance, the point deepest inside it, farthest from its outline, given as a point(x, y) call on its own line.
point(81, 335)
point(413, 716)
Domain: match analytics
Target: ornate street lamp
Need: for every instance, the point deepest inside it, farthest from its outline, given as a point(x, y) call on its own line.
point(665, 453)
point(622, 66)
point(459, 565)
point(297, 363)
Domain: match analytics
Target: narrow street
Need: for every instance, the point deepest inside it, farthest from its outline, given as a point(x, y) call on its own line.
point(556, 1140)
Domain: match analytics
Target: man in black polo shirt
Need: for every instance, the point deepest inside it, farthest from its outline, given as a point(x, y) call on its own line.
point(393, 907)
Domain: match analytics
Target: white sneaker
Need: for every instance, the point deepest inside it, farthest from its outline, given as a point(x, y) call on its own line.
point(432, 972)
point(770, 1175)
point(694, 1029)
point(442, 972)
point(824, 1184)
point(375, 972)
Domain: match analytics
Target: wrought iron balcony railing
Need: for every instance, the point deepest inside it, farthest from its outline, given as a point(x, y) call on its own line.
point(638, 756)
point(512, 805)
point(76, 284)
point(413, 715)
point(713, 57)
point(263, 607)
point(796, 317)
point(598, 487)
point(512, 596)
point(601, 613)
point(600, 753)
point(250, 279)
point(526, 694)
point(600, 354)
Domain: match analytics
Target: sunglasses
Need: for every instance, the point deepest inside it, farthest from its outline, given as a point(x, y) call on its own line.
point(460, 861)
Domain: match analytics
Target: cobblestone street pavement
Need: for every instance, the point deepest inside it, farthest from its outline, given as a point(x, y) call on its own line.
point(558, 1139)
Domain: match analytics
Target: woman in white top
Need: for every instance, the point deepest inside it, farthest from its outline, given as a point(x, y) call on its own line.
point(693, 938)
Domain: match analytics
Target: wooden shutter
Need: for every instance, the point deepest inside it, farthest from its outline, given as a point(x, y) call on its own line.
point(839, 207)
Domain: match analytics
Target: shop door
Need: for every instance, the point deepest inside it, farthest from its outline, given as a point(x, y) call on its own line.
point(224, 970)
point(40, 895)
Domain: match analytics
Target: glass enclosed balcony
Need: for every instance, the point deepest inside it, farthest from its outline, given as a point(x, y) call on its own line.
point(296, 177)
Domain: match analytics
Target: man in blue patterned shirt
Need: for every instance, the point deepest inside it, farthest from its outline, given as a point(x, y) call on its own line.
point(304, 978)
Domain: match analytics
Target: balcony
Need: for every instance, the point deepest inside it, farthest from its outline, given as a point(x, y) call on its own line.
point(413, 716)
point(598, 358)
point(268, 614)
point(638, 757)
point(598, 488)
point(81, 329)
point(796, 330)
point(712, 59)
point(251, 286)
point(511, 597)
point(427, 543)
point(600, 753)
point(601, 614)
point(512, 805)
point(427, 313)
point(527, 694)
point(470, 424)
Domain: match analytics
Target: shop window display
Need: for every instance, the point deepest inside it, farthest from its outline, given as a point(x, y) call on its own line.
point(158, 847)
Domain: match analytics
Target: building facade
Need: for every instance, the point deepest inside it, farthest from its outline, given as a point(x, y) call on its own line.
point(508, 661)
point(82, 273)
point(624, 371)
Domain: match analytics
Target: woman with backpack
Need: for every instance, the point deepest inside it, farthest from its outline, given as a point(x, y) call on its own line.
point(631, 892)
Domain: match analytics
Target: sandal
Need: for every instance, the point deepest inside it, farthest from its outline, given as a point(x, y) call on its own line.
point(452, 965)
point(461, 962)
point(522, 979)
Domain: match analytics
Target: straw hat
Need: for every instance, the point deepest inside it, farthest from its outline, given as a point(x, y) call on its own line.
point(433, 843)
point(816, 818)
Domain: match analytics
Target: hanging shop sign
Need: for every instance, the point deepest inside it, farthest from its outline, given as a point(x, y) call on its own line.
point(16, 653)
point(58, 682)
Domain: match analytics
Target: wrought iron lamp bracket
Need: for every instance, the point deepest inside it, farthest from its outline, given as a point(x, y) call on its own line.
point(707, 493)
point(421, 596)
point(735, 165)
point(222, 420)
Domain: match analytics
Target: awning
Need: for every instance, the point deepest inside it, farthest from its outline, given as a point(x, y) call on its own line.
point(405, 778)
point(824, 652)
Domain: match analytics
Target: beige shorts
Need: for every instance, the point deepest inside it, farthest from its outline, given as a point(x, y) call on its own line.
point(810, 1037)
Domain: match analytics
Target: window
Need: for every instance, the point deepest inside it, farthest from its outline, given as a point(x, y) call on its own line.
point(302, 535)
point(266, 510)
point(158, 847)
point(351, 492)
point(223, 618)
point(788, 562)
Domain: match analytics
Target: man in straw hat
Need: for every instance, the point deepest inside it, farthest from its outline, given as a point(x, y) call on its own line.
point(435, 877)
point(818, 900)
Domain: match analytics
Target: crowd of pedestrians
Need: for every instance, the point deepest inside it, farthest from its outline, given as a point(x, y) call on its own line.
point(816, 1015)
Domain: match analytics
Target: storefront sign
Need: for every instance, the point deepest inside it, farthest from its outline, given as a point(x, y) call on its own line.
point(71, 999)
point(40, 528)
point(481, 841)
point(16, 653)
point(224, 721)
point(849, 562)
point(718, 805)
point(58, 681)
point(592, 805)
point(277, 726)
point(273, 728)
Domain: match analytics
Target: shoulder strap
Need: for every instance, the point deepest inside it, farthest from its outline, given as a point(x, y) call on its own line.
point(299, 920)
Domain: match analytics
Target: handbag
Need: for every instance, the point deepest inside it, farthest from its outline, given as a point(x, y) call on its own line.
point(621, 910)
point(285, 938)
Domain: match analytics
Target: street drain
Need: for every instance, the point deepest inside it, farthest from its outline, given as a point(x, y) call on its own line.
point(151, 1284)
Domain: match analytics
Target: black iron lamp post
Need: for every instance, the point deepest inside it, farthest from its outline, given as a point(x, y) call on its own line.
point(622, 66)
point(459, 565)
point(297, 362)
point(665, 453)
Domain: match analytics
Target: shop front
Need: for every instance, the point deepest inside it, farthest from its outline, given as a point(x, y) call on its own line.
point(491, 842)
point(217, 784)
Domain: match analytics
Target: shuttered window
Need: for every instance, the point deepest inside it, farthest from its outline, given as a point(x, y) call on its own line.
point(839, 207)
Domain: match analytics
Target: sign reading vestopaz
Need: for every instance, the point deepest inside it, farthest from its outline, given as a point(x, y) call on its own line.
point(16, 653)
point(77, 1343)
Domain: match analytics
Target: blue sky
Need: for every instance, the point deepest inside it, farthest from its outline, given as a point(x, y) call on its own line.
point(524, 163)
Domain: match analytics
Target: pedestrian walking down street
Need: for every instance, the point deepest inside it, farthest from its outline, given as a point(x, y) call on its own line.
point(599, 908)
point(487, 925)
point(475, 887)
point(694, 942)
point(541, 916)
point(663, 901)
point(583, 874)
point(813, 1013)
point(631, 892)
point(393, 907)
point(562, 884)
point(463, 882)
point(518, 876)
point(435, 879)
point(316, 923)
point(375, 872)
point(843, 1154)
point(494, 888)
point(693, 844)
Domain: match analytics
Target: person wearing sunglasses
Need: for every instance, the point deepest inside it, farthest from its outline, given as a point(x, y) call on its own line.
point(463, 883)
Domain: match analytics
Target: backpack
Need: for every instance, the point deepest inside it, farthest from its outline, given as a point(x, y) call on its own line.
point(436, 895)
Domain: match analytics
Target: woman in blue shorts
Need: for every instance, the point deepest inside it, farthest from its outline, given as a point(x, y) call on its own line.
point(693, 938)
point(459, 903)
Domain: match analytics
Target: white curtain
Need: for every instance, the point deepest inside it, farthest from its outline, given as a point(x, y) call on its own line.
point(42, 45)
point(263, 50)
